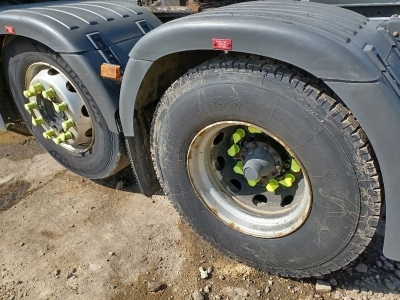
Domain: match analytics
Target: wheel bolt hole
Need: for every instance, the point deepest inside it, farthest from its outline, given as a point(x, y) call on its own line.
point(220, 163)
point(235, 186)
point(70, 87)
point(84, 111)
point(52, 72)
point(287, 200)
point(89, 132)
point(218, 139)
point(259, 199)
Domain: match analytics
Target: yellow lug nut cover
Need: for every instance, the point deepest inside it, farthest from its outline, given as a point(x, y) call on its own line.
point(67, 124)
point(30, 106)
point(57, 140)
point(238, 168)
point(60, 107)
point(36, 88)
point(28, 94)
point(238, 135)
point(272, 185)
point(253, 130)
point(37, 121)
point(48, 94)
point(233, 150)
point(49, 134)
point(66, 136)
point(295, 166)
point(252, 183)
point(288, 180)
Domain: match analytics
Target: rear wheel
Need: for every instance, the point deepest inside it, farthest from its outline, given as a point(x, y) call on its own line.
point(60, 112)
point(266, 166)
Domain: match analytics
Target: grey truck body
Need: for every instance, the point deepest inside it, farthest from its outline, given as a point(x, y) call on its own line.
point(357, 57)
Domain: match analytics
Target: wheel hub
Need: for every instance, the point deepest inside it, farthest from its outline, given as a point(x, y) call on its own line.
point(57, 107)
point(260, 160)
point(249, 179)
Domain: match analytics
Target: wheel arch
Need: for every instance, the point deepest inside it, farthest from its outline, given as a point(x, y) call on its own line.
point(282, 31)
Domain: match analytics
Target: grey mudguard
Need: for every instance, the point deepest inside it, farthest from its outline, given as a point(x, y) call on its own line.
point(340, 47)
point(86, 34)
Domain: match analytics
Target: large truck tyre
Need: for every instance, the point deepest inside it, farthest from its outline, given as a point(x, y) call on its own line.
point(60, 111)
point(267, 165)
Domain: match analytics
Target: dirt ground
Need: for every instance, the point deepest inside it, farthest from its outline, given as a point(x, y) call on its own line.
point(66, 237)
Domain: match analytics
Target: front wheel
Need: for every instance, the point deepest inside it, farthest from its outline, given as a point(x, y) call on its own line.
point(60, 111)
point(266, 166)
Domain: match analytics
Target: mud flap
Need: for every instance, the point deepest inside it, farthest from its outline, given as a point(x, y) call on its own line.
point(139, 155)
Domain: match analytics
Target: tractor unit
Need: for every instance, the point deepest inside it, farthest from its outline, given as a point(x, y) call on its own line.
point(272, 126)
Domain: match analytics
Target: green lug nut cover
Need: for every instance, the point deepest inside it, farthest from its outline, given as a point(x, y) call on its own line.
point(57, 140)
point(233, 150)
point(49, 134)
point(66, 136)
point(238, 135)
point(30, 106)
point(60, 107)
point(67, 124)
point(288, 180)
point(252, 183)
point(238, 168)
point(272, 185)
point(28, 94)
point(37, 121)
point(295, 166)
point(253, 130)
point(36, 88)
point(48, 94)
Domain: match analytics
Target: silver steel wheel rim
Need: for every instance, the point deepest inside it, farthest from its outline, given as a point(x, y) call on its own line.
point(234, 209)
point(66, 92)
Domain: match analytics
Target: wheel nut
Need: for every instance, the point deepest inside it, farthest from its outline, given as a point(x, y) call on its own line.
point(60, 107)
point(37, 121)
point(295, 166)
point(252, 183)
point(67, 124)
point(28, 94)
point(57, 140)
point(238, 168)
point(66, 136)
point(288, 180)
point(233, 150)
point(49, 134)
point(253, 130)
point(238, 135)
point(49, 94)
point(30, 106)
point(272, 185)
point(36, 88)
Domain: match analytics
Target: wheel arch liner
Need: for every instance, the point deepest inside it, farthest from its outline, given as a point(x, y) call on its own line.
point(86, 34)
point(333, 44)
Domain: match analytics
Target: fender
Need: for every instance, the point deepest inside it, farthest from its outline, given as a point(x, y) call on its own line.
point(340, 47)
point(86, 34)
